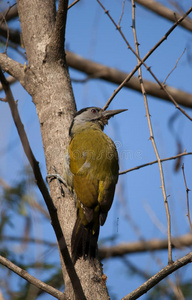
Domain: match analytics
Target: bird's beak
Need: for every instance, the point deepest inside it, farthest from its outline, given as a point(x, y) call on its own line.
point(110, 113)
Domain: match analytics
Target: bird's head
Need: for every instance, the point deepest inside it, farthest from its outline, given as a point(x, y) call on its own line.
point(94, 115)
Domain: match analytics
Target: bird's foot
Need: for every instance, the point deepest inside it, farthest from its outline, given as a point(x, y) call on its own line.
point(59, 178)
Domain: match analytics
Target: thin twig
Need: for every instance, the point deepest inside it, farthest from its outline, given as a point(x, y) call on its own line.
point(33, 280)
point(72, 4)
point(164, 82)
point(187, 194)
point(142, 61)
point(154, 219)
point(6, 13)
point(163, 273)
point(154, 162)
point(7, 39)
point(43, 189)
point(152, 138)
point(121, 16)
point(176, 289)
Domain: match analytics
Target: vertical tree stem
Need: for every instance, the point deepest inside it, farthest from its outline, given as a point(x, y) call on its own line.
point(153, 139)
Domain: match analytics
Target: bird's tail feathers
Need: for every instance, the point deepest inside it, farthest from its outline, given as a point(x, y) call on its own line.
point(83, 241)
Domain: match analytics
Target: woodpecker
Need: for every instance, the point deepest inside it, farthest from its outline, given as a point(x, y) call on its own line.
point(91, 171)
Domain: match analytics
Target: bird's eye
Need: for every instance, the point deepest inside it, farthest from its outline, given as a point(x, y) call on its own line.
point(94, 110)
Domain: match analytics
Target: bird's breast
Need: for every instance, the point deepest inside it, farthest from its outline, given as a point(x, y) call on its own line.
point(93, 151)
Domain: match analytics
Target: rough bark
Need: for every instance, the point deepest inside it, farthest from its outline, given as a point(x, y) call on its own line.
point(49, 84)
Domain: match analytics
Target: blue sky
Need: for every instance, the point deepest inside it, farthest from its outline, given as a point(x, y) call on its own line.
point(91, 34)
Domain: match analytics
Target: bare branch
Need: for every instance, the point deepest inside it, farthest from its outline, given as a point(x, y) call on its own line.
point(10, 13)
point(142, 61)
point(165, 12)
point(154, 162)
point(159, 276)
point(121, 16)
point(152, 138)
point(10, 79)
point(43, 189)
point(13, 68)
point(61, 19)
point(155, 6)
point(114, 75)
point(180, 242)
point(6, 28)
point(72, 4)
point(176, 289)
point(187, 193)
point(14, 35)
point(96, 70)
point(175, 66)
point(144, 246)
point(31, 279)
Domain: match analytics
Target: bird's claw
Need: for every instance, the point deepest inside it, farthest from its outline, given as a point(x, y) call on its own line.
point(59, 178)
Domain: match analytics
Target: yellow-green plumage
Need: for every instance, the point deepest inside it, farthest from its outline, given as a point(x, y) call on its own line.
point(94, 164)
point(92, 172)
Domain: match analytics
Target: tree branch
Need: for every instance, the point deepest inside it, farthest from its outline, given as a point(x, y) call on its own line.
point(14, 35)
point(10, 79)
point(13, 68)
point(72, 4)
point(165, 12)
point(120, 250)
point(104, 72)
point(144, 246)
point(55, 49)
point(10, 14)
point(100, 71)
point(43, 189)
point(155, 6)
point(60, 24)
point(152, 138)
point(142, 61)
point(158, 277)
point(154, 162)
point(31, 279)
point(187, 194)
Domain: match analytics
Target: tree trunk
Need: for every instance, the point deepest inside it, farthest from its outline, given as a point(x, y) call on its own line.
point(48, 82)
